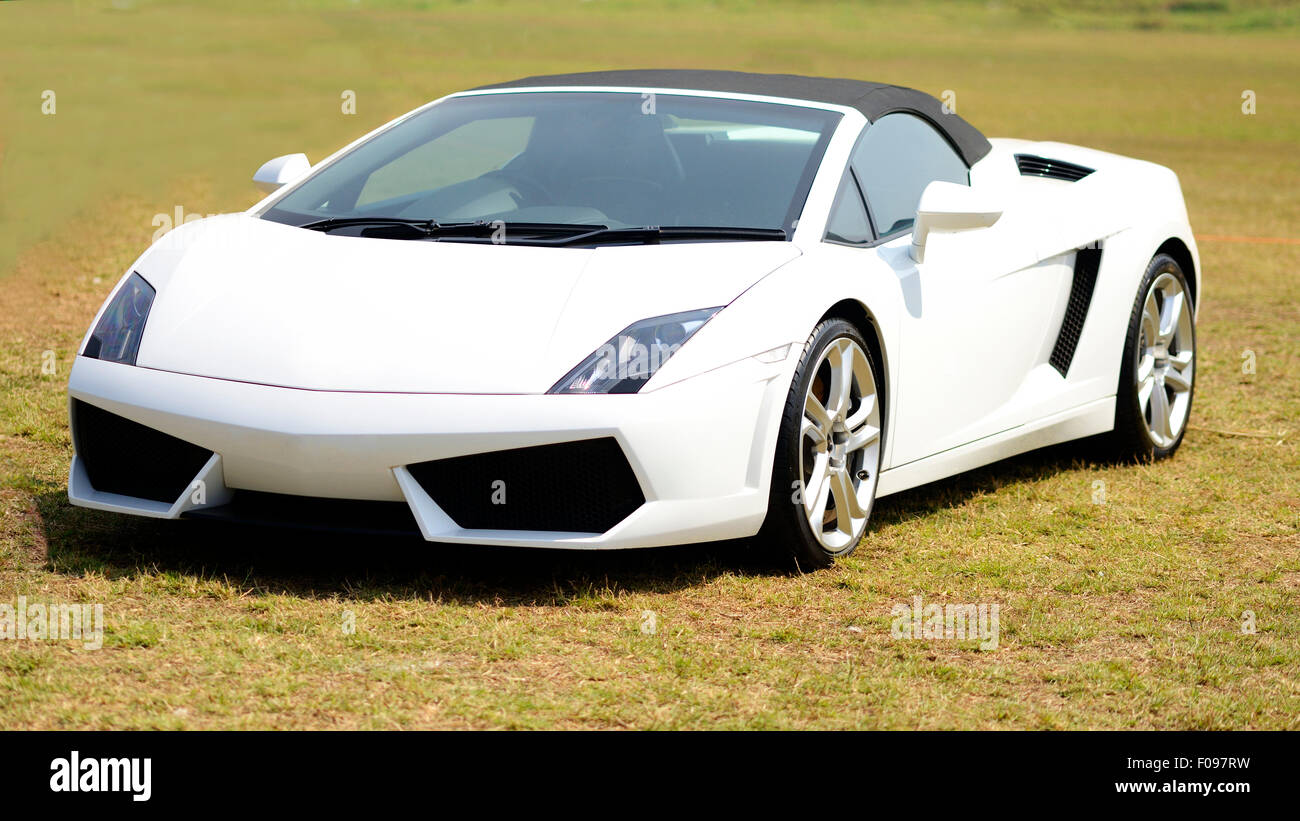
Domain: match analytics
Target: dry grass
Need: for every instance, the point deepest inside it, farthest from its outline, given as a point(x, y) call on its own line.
point(1125, 614)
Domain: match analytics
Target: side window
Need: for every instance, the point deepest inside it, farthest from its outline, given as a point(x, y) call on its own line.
point(848, 221)
point(898, 156)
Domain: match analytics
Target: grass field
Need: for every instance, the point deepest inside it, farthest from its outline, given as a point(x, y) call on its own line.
point(1121, 603)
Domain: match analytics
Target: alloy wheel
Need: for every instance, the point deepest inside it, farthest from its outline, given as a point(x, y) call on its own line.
point(839, 447)
point(1166, 360)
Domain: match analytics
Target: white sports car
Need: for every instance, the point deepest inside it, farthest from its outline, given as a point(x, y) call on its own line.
point(638, 308)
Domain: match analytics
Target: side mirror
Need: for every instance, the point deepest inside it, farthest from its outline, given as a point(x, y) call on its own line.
point(947, 206)
point(281, 171)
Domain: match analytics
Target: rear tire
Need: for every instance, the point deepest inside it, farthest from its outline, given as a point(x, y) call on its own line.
point(1153, 401)
point(828, 451)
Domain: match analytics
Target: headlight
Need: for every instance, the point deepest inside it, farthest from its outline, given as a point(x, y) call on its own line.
point(626, 362)
point(117, 336)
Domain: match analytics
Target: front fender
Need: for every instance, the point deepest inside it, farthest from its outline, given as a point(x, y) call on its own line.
point(783, 308)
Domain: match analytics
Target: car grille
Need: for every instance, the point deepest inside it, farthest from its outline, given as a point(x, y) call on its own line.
point(576, 487)
point(130, 459)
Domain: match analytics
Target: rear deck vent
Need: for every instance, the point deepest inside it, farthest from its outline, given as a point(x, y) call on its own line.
point(1086, 263)
point(1031, 165)
point(130, 459)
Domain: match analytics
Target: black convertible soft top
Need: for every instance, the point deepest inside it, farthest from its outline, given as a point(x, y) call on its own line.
point(874, 100)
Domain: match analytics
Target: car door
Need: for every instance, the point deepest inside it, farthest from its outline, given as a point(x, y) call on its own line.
point(976, 311)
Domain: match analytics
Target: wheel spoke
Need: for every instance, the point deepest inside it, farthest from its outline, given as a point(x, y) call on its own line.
point(1145, 366)
point(861, 437)
point(1170, 313)
point(812, 431)
point(817, 488)
point(1177, 381)
point(841, 396)
point(866, 405)
point(1144, 391)
point(846, 502)
point(815, 411)
point(1151, 317)
point(1160, 413)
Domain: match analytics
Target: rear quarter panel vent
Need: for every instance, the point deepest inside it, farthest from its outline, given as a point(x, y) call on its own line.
point(1032, 165)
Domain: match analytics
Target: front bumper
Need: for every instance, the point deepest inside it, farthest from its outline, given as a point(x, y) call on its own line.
point(700, 449)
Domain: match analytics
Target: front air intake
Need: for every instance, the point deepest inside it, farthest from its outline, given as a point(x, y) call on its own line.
point(130, 459)
point(1031, 165)
point(574, 487)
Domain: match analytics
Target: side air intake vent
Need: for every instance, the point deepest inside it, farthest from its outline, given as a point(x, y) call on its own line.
point(577, 487)
point(129, 459)
point(1086, 263)
point(1034, 166)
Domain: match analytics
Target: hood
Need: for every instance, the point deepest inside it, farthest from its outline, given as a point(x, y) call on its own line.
point(256, 301)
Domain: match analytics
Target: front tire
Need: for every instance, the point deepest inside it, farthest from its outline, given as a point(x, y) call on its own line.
point(828, 450)
point(1153, 400)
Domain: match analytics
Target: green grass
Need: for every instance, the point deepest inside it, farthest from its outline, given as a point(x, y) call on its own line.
point(1114, 615)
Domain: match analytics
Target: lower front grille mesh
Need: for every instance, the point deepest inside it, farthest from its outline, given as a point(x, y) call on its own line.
point(131, 459)
point(577, 487)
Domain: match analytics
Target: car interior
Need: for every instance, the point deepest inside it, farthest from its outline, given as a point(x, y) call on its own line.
point(630, 170)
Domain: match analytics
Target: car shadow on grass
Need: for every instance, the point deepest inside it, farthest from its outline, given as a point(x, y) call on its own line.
point(312, 563)
point(274, 560)
point(1036, 465)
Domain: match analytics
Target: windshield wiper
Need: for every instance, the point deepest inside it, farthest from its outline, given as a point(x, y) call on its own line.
point(432, 229)
point(650, 234)
point(543, 233)
point(347, 222)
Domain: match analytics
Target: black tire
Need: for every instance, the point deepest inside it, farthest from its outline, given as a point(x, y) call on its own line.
point(786, 534)
point(1132, 439)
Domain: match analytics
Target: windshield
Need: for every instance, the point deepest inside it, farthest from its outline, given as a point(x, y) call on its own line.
point(612, 159)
